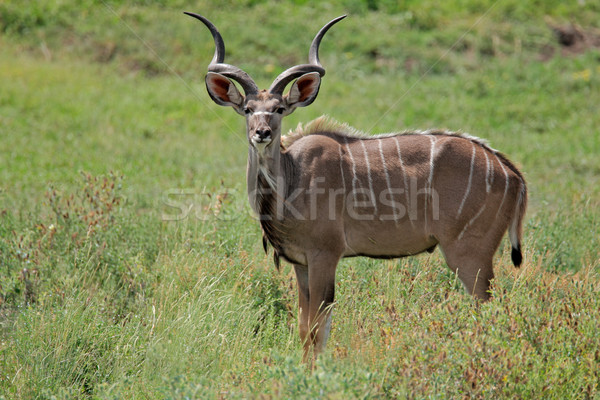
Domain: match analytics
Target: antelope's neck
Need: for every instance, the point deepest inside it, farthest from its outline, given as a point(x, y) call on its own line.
point(265, 173)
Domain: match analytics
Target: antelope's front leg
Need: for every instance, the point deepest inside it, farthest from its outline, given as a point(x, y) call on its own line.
point(303, 306)
point(321, 283)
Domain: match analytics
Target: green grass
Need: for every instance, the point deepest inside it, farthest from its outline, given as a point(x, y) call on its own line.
point(108, 133)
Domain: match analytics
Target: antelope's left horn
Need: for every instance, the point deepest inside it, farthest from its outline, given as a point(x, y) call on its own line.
point(314, 64)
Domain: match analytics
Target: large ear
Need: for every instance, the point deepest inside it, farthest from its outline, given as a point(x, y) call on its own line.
point(223, 92)
point(303, 91)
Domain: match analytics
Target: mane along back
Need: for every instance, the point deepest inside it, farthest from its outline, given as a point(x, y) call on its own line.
point(324, 126)
point(342, 132)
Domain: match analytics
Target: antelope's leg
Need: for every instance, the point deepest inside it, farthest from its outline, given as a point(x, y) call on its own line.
point(303, 305)
point(473, 266)
point(321, 282)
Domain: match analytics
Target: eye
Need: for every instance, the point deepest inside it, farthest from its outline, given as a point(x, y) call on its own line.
point(280, 110)
point(247, 110)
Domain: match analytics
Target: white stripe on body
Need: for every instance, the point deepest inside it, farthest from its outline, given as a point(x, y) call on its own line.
point(430, 179)
point(462, 204)
point(405, 181)
point(342, 173)
point(354, 178)
point(387, 181)
point(342, 169)
point(362, 142)
point(488, 184)
point(505, 186)
point(468, 224)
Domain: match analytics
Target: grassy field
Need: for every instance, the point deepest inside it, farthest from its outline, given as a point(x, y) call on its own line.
point(132, 267)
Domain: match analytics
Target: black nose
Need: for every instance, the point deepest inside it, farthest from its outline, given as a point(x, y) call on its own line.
point(263, 133)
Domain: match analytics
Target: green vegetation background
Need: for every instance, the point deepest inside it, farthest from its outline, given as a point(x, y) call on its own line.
point(131, 266)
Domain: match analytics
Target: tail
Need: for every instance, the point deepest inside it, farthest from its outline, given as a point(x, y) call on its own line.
point(516, 226)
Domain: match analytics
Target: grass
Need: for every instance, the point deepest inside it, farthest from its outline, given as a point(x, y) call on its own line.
point(131, 266)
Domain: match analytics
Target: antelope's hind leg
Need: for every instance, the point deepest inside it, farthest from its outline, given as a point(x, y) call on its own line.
point(474, 267)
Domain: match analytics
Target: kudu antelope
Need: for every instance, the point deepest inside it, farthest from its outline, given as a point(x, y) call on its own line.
point(327, 191)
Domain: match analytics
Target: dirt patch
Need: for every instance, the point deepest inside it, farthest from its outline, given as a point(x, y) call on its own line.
point(572, 40)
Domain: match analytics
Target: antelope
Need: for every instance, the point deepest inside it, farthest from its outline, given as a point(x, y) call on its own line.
point(327, 191)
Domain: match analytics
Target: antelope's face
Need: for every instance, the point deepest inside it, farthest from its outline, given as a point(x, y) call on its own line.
point(263, 109)
point(264, 113)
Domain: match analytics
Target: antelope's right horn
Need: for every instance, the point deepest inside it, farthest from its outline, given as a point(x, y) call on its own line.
point(217, 64)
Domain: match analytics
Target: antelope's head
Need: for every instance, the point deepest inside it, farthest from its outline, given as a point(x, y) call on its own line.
point(263, 109)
